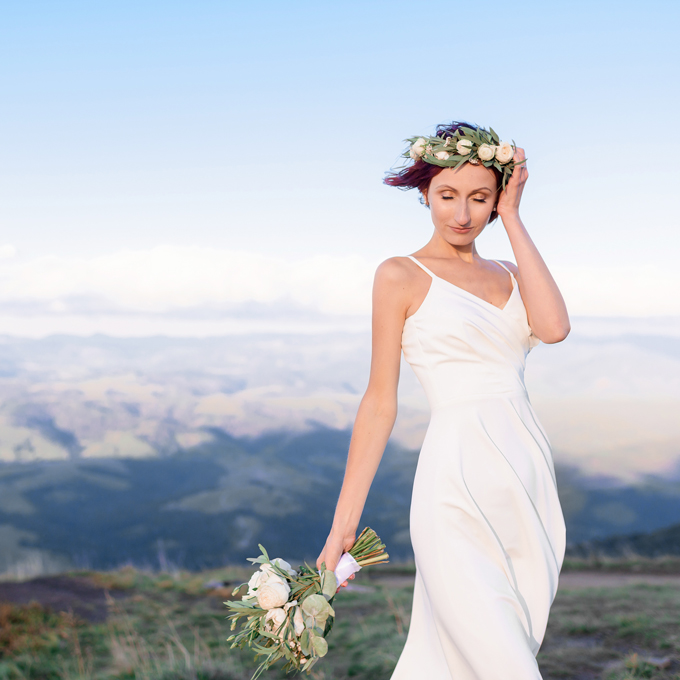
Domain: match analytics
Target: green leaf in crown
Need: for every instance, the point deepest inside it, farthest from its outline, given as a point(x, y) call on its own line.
point(465, 145)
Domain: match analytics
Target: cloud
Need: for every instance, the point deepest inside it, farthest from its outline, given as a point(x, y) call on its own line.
point(166, 287)
point(646, 290)
point(169, 279)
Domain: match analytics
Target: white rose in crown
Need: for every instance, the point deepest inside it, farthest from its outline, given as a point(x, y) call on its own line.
point(275, 618)
point(486, 152)
point(441, 155)
point(463, 147)
point(504, 152)
point(274, 593)
point(417, 148)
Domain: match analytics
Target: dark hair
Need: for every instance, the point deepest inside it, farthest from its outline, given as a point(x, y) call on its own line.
point(419, 174)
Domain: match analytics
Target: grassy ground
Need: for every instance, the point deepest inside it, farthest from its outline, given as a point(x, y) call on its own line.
point(169, 627)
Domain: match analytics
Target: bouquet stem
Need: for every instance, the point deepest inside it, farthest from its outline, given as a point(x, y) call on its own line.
point(367, 550)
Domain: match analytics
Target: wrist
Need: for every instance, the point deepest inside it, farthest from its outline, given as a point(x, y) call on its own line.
point(511, 218)
point(344, 529)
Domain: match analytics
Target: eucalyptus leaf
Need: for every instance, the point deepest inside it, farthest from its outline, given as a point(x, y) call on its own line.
point(320, 646)
point(316, 605)
point(305, 642)
point(329, 584)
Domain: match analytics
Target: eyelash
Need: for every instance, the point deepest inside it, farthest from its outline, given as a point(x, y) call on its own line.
point(477, 200)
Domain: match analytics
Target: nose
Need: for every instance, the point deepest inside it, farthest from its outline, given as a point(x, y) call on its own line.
point(462, 214)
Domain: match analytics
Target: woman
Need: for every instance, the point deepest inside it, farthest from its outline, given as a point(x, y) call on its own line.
point(486, 524)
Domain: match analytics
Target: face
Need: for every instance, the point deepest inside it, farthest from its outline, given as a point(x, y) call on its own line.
point(461, 201)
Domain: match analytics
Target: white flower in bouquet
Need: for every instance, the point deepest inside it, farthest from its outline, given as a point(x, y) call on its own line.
point(274, 593)
point(417, 149)
point(253, 584)
point(486, 152)
point(275, 618)
point(441, 155)
point(504, 152)
point(297, 637)
point(267, 575)
point(281, 564)
point(463, 147)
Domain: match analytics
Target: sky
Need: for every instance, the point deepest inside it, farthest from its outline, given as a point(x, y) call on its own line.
point(167, 164)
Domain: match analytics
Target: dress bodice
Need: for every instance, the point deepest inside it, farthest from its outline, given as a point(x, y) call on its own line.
point(461, 346)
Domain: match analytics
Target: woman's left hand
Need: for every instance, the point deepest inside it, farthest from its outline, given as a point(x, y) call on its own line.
point(508, 202)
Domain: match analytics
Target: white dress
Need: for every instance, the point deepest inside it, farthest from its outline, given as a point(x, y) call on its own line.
point(486, 524)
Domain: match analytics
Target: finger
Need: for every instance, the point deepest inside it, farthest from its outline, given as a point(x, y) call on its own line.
point(325, 556)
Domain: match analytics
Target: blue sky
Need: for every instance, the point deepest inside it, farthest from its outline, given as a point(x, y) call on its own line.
point(226, 128)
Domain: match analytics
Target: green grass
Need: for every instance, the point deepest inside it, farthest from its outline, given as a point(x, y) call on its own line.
point(168, 628)
point(669, 564)
point(612, 632)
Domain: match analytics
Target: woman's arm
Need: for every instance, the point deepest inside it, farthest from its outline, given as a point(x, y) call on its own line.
point(377, 411)
point(546, 311)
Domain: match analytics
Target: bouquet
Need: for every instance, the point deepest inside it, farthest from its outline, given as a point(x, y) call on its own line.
point(287, 614)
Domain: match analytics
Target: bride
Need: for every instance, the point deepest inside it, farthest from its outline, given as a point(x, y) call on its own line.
point(486, 525)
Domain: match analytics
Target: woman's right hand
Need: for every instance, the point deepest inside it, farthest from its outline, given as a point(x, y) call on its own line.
point(332, 551)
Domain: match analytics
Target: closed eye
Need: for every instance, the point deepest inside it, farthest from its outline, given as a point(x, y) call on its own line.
point(478, 200)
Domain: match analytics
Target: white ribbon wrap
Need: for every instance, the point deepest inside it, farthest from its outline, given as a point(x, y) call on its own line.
point(346, 567)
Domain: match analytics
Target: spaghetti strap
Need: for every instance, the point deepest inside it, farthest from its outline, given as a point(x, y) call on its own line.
point(502, 265)
point(422, 266)
point(512, 276)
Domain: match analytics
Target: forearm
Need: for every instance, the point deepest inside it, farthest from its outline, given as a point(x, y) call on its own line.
point(372, 428)
point(547, 312)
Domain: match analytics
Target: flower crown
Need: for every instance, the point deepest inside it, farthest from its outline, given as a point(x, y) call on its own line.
point(465, 145)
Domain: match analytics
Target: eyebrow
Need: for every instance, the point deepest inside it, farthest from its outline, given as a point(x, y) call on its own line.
point(449, 188)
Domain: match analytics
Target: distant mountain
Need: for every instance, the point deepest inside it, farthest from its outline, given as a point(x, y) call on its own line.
point(660, 543)
point(191, 450)
point(208, 506)
point(214, 503)
point(608, 397)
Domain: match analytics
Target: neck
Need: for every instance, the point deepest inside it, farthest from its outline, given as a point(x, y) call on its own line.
point(441, 248)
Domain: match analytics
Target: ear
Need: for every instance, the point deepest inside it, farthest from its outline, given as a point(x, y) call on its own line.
point(424, 195)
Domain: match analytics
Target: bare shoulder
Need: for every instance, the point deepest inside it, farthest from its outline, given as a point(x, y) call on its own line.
point(394, 271)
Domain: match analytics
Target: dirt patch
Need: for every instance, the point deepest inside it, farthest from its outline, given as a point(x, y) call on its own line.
point(62, 594)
